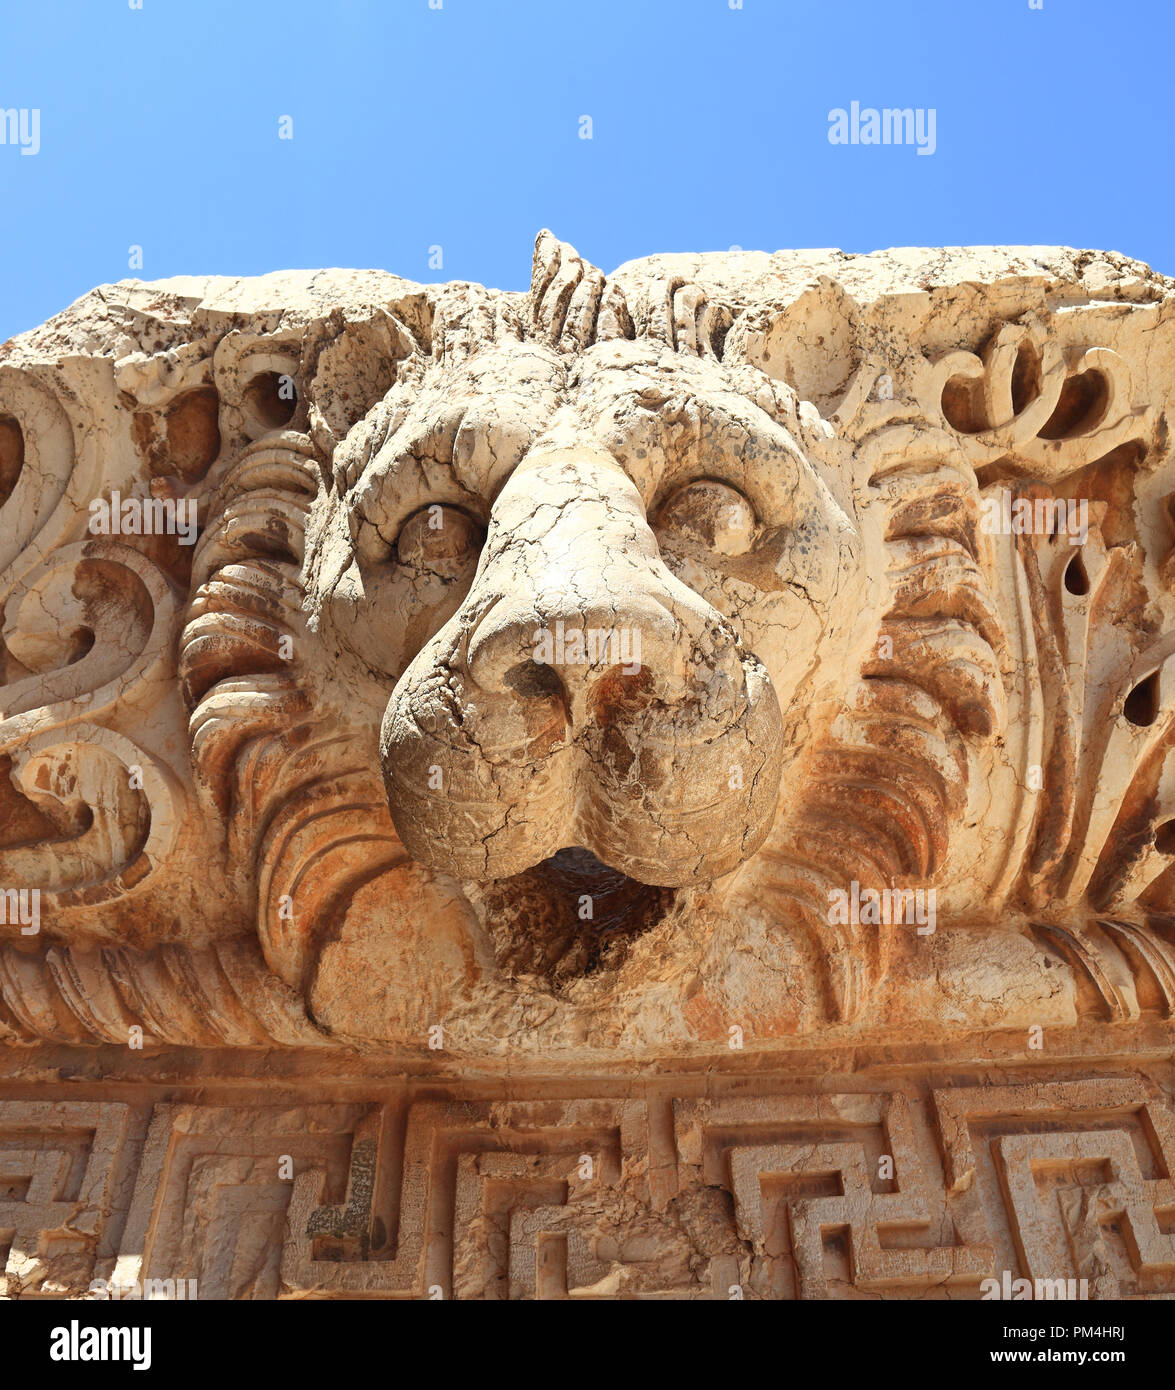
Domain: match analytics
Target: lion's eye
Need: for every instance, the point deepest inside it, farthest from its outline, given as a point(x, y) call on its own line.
point(711, 514)
point(440, 540)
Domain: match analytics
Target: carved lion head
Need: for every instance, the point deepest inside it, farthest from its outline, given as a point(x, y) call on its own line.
point(585, 600)
point(552, 662)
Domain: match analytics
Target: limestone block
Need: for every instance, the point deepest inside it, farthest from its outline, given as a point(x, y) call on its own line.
point(657, 786)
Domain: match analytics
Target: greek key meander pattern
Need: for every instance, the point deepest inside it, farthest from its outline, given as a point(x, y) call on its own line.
point(911, 1191)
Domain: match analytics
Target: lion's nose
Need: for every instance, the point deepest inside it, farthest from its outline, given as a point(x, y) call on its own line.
point(571, 643)
point(583, 598)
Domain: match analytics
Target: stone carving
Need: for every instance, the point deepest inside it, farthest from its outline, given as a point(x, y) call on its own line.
point(620, 587)
point(735, 654)
point(60, 1165)
point(579, 651)
point(885, 1191)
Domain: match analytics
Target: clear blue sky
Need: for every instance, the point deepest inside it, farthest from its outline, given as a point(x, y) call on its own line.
point(415, 127)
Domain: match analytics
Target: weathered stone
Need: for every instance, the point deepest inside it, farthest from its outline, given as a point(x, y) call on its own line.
point(699, 726)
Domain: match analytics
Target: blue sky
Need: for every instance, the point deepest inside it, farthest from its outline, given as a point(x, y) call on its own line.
point(459, 127)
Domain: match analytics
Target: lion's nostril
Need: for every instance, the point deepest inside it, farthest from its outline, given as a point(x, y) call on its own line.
point(619, 696)
point(533, 680)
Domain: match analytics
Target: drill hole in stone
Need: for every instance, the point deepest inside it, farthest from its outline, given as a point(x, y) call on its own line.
point(619, 696)
point(11, 455)
point(1165, 837)
point(1080, 406)
point(1142, 704)
point(192, 429)
point(534, 680)
point(81, 642)
point(1026, 379)
point(1076, 579)
point(963, 404)
point(272, 399)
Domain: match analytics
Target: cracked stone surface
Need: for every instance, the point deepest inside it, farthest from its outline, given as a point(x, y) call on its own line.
point(596, 670)
point(617, 765)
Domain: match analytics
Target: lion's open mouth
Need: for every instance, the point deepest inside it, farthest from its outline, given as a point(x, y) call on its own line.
point(567, 917)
